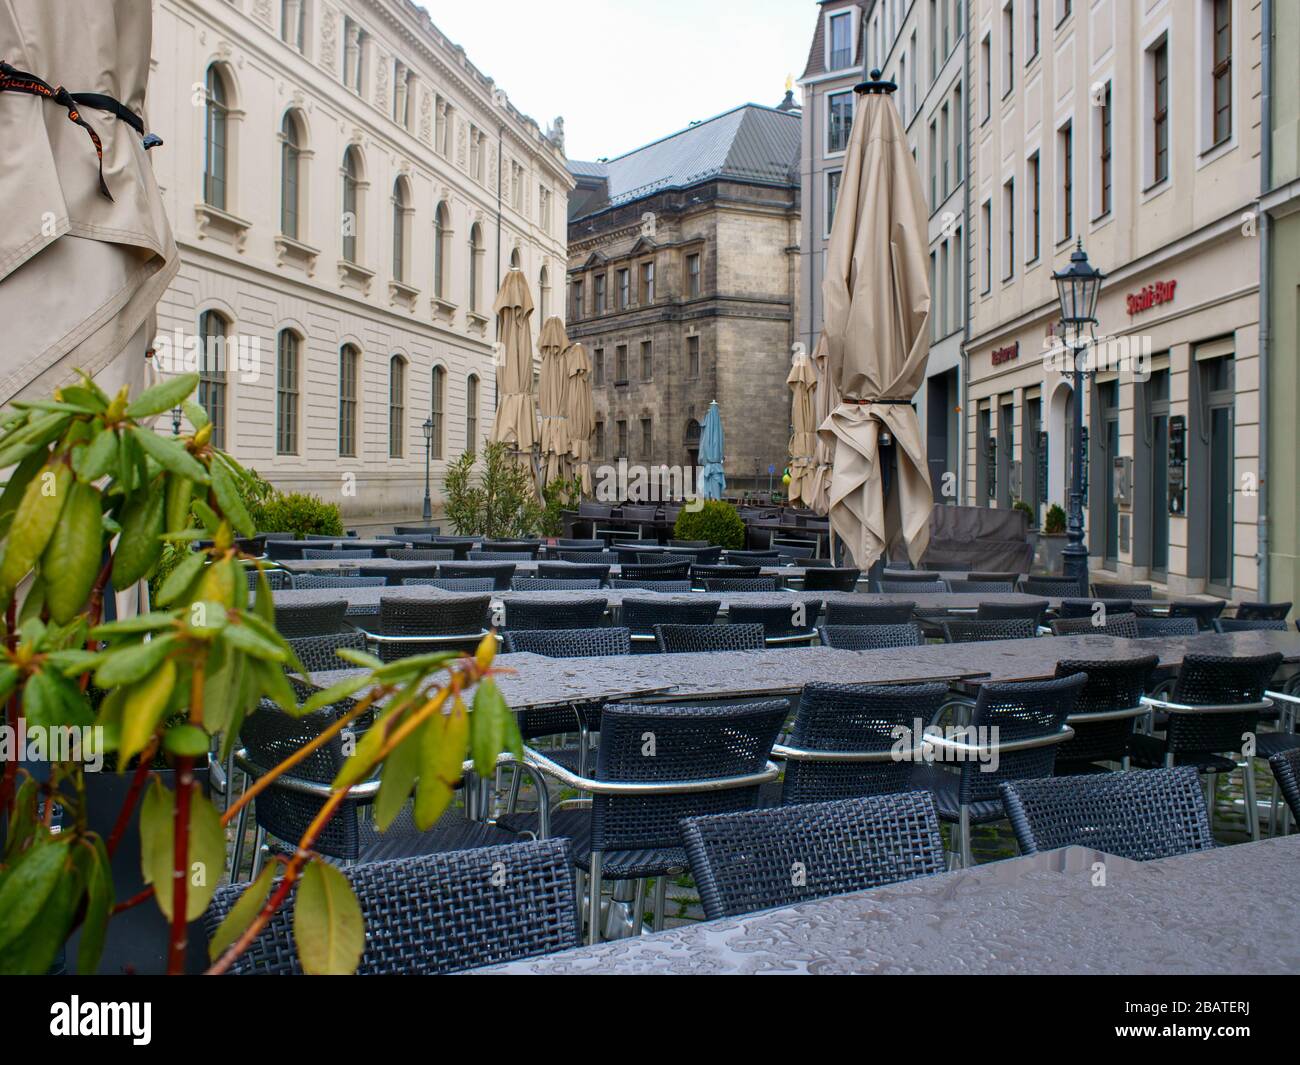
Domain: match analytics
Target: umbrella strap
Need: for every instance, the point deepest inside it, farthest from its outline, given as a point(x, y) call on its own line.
point(880, 402)
point(14, 80)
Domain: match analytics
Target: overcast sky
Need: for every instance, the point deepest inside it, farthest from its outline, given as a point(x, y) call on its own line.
point(625, 72)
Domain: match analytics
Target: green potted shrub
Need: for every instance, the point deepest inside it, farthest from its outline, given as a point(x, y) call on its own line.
point(715, 521)
point(172, 686)
point(502, 504)
point(1048, 551)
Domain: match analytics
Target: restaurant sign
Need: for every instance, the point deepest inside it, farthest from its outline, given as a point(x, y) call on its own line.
point(1151, 296)
point(1001, 355)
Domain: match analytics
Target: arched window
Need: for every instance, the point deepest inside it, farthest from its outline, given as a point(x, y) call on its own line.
point(290, 176)
point(471, 413)
point(544, 294)
point(216, 140)
point(213, 329)
point(351, 203)
point(349, 373)
point(287, 348)
point(441, 249)
point(437, 404)
point(401, 222)
point(475, 264)
point(396, 406)
point(514, 259)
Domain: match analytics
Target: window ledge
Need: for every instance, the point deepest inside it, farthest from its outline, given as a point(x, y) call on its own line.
point(400, 294)
point(477, 322)
point(354, 275)
point(213, 221)
point(443, 309)
point(291, 250)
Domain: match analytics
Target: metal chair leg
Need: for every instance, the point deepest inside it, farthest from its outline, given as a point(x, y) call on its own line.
point(580, 893)
point(661, 899)
point(593, 930)
point(967, 856)
point(237, 857)
point(638, 906)
point(1211, 786)
point(1252, 807)
point(259, 843)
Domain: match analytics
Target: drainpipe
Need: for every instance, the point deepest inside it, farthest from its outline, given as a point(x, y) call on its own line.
point(1265, 294)
point(501, 138)
point(962, 460)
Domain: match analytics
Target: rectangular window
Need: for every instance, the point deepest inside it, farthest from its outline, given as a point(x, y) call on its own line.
point(986, 232)
point(693, 276)
point(647, 439)
point(1067, 180)
point(1034, 29)
point(396, 408)
point(986, 78)
point(841, 40)
point(598, 367)
point(620, 364)
point(212, 373)
point(577, 299)
point(943, 308)
point(934, 164)
point(945, 136)
point(622, 440)
point(832, 197)
point(1009, 230)
point(1104, 159)
point(437, 403)
point(471, 413)
point(544, 208)
point(1160, 112)
point(647, 360)
point(348, 360)
point(1035, 208)
point(839, 121)
point(1009, 36)
point(599, 446)
point(286, 395)
point(1221, 70)
point(647, 284)
point(958, 278)
point(600, 293)
point(958, 135)
point(624, 289)
point(292, 22)
point(693, 356)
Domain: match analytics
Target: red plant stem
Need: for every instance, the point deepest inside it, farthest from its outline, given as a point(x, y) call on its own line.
point(180, 865)
point(134, 900)
point(132, 797)
point(10, 774)
point(96, 607)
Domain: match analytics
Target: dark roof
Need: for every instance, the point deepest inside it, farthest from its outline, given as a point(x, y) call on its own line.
point(748, 143)
point(817, 51)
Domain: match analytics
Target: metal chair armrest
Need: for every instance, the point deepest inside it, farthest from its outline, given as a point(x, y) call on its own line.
point(536, 760)
point(1208, 708)
point(803, 754)
point(944, 743)
point(1107, 715)
point(363, 792)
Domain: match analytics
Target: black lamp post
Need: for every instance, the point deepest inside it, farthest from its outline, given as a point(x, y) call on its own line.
point(428, 442)
point(1078, 287)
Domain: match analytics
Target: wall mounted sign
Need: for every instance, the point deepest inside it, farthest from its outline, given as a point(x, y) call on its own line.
point(1177, 465)
point(1144, 299)
point(1001, 355)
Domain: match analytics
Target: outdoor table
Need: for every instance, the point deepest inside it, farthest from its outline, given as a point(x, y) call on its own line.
point(346, 543)
point(1228, 910)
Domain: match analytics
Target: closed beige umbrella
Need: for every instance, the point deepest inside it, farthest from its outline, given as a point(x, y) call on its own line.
point(550, 400)
point(515, 424)
point(581, 411)
point(803, 419)
point(817, 493)
point(877, 326)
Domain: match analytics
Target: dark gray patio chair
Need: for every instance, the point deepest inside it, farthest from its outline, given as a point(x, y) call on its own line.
point(831, 580)
point(1151, 627)
point(569, 643)
point(409, 626)
point(1106, 711)
point(685, 639)
point(666, 587)
point(1122, 625)
point(871, 637)
point(320, 653)
point(452, 584)
point(550, 614)
point(976, 631)
point(640, 616)
point(422, 554)
point(325, 555)
point(783, 623)
point(740, 584)
point(310, 619)
point(839, 612)
point(1250, 625)
point(893, 587)
point(500, 574)
point(1262, 611)
point(551, 584)
point(303, 581)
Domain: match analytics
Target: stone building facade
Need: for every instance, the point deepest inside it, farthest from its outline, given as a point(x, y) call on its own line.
point(347, 190)
point(683, 275)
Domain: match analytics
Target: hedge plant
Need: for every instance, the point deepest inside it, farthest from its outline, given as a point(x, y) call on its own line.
point(716, 522)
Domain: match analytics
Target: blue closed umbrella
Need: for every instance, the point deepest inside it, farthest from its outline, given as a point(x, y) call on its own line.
point(712, 480)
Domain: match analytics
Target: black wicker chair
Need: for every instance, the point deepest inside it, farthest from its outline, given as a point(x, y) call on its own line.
point(452, 584)
point(686, 639)
point(1034, 611)
point(310, 619)
point(783, 623)
point(590, 558)
point(1105, 713)
point(550, 614)
point(840, 613)
point(741, 862)
point(634, 836)
point(1122, 625)
point(740, 584)
point(1087, 608)
point(573, 571)
point(753, 558)
point(1142, 816)
point(1002, 577)
point(1216, 700)
point(569, 643)
point(409, 572)
point(1051, 587)
point(893, 587)
point(416, 530)
point(1203, 613)
point(831, 580)
point(640, 616)
point(531, 548)
point(1250, 625)
point(501, 574)
point(500, 556)
point(667, 587)
point(669, 571)
point(844, 742)
point(871, 637)
point(1262, 611)
point(410, 626)
point(422, 554)
point(327, 555)
point(571, 544)
point(1028, 721)
point(276, 579)
point(439, 913)
point(911, 576)
point(976, 631)
point(331, 580)
point(1286, 771)
point(1153, 627)
point(968, 587)
point(551, 584)
point(319, 653)
point(700, 574)
point(1107, 590)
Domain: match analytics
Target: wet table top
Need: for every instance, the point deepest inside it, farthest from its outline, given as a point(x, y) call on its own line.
point(1228, 910)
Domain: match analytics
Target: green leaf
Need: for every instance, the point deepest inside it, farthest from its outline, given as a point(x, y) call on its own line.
point(22, 821)
point(401, 768)
point(17, 485)
point(227, 492)
point(186, 741)
point(275, 685)
point(243, 912)
point(25, 888)
point(358, 658)
point(97, 871)
point(170, 454)
point(195, 414)
point(34, 952)
point(140, 544)
point(442, 756)
point(33, 524)
point(180, 579)
point(163, 396)
point(246, 639)
point(416, 664)
point(335, 693)
point(99, 458)
point(51, 700)
point(206, 854)
point(131, 662)
point(143, 708)
point(84, 397)
point(72, 558)
point(155, 621)
point(487, 727)
point(328, 928)
point(8, 681)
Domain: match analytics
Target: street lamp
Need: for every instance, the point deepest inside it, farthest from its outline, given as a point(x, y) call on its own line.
point(428, 442)
point(1078, 288)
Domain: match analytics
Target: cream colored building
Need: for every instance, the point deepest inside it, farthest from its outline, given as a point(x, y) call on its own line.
point(347, 190)
point(1134, 127)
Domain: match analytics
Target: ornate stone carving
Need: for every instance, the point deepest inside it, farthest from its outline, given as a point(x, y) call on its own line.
point(426, 116)
point(555, 134)
point(462, 144)
point(381, 82)
point(329, 38)
point(262, 9)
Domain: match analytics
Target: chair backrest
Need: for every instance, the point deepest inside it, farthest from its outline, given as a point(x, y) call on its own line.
point(831, 580)
point(1122, 625)
point(1002, 611)
point(276, 579)
point(797, 552)
point(401, 575)
point(594, 510)
point(912, 576)
point(892, 587)
point(1003, 578)
point(319, 653)
point(1249, 625)
point(642, 615)
point(871, 637)
point(668, 571)
point(499, 556)
point(690, 543)
point(552, 584)
point(781, 619)
point(416, 530)
point(705, 556)
point(452, 584)
point(753, 558)
point(683, 639)
point(1052, 587)
point(670, 587)
point(1113, 684)
point(564, 544)
point(691, 743)
point(976, 631)
point(1217, 680)
point(549, 614)
point(985, 587)
point(741, 862)
point(328, 537)
point(702, 573)
point(867, 613)
point(1086, 608)
point(740, 584)
point(532, 548)
point(1149, 627)
point(1203, 613)
point(1286, 771)
point(1106, 590)
point(571, 571)
point(569, 643)
point(310, 619)
point(598, 558)
point(500, 574)
point(328, 555)
point(437, 913)
point(404, 615)
point(1263, 611)
point(859, 718)
point(303, 581)
point(1142, 816)
point(422, 554)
